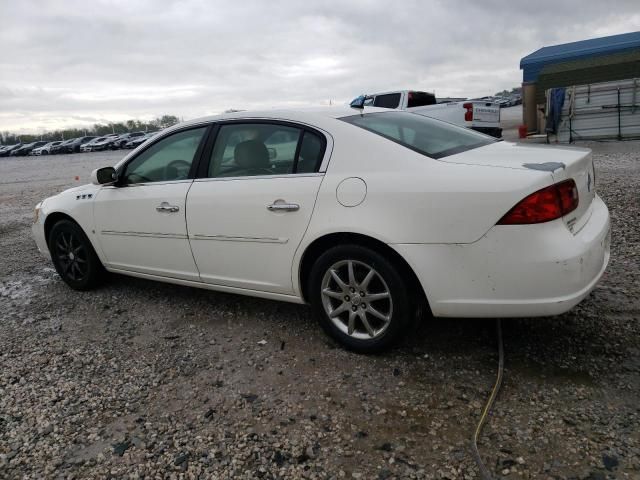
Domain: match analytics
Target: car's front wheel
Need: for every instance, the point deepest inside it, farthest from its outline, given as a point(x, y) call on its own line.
point(360, 298)
point(73, 256)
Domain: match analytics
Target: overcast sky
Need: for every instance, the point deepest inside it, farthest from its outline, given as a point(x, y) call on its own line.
point(73, 63)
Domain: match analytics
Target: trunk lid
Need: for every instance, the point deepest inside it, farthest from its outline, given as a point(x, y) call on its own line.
point(561, 163)
point(485, 114)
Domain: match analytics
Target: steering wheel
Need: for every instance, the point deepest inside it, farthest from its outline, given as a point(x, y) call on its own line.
point(172, 169)
point(136, 178)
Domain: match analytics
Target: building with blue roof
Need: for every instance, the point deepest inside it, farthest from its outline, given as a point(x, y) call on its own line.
point(616, 57)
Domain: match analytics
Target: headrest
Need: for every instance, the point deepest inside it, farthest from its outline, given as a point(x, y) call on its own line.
point(251, 154)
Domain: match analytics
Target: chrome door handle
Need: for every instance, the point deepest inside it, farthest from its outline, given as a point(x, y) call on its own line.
point(283, 207)
point(165, 207)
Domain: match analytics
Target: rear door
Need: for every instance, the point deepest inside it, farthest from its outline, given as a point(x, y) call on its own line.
point(249, 209)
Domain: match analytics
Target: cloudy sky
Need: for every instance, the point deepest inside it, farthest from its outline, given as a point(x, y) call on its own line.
point(73, 63)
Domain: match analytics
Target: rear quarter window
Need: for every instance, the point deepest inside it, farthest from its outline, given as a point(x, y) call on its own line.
point(424, 135)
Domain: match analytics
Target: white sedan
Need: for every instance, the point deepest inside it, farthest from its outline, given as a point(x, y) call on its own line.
point(370, 216)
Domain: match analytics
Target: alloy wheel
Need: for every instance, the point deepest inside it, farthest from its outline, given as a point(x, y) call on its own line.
point(357, 299)
point(71, 255)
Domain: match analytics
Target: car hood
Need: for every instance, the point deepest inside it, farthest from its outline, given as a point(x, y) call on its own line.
point(519, 156)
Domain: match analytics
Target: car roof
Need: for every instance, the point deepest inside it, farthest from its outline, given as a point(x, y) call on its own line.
point(307, 114)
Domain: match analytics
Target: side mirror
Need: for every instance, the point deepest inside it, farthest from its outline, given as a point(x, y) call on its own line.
point(104, 176)
point(358, 102)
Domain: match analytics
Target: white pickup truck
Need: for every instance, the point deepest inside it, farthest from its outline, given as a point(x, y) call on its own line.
point(480, 115)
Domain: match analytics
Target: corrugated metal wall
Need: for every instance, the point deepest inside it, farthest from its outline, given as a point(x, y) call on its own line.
point(604, 68)
point(601, 111)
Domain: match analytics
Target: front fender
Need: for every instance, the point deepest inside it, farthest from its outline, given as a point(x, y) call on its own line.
point(75, 204)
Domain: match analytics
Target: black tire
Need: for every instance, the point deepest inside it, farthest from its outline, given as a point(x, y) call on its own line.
point(399, 309)
point(73, 256)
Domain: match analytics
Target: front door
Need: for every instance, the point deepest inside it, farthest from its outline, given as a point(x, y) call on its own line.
point(247, 217)
point(140, 222)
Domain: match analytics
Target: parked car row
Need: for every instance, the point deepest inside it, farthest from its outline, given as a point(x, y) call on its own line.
point(505, 101)
point(20, 150)
point(74, 145)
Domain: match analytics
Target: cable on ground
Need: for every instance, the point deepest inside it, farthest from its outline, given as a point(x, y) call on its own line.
point(485, 474)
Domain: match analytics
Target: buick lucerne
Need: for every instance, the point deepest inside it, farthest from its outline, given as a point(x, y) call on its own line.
point(369, 216)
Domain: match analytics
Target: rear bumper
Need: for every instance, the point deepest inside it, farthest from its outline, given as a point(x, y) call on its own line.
point(492, 131)
point(514, 271)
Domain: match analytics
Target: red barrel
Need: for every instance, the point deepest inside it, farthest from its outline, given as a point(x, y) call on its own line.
point(522, 131)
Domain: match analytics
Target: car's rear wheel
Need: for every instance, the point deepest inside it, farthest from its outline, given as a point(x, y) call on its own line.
point(73, 256)
point(360, 298)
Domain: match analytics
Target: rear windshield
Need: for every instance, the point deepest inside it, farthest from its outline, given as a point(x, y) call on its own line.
point(420, 99)
point(428, 136)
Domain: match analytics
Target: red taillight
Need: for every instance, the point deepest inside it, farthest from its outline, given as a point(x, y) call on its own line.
point(544, 205)
point(468, 115)
point(568, 196)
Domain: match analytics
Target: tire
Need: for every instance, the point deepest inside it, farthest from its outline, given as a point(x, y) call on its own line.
point(73, 256)
point(340, 308)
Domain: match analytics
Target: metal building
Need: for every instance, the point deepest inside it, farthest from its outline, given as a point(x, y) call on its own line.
point(575, 64)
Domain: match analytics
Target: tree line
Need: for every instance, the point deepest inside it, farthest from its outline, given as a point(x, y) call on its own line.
point(98, 129)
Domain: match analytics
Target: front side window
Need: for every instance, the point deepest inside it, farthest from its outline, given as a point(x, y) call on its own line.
point(252, 149)
point(433, 138)
point(167, 160)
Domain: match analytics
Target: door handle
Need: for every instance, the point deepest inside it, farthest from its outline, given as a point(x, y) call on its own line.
point(165, 207)
point(283, 207)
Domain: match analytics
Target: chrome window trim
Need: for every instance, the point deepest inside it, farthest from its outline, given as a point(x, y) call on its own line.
point(259, 177)
point(206, 123)
point(149, 184)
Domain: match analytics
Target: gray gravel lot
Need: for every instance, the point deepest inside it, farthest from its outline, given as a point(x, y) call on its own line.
point(153, 380)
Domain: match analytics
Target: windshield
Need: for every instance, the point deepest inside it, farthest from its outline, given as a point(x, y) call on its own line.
point(428, 136)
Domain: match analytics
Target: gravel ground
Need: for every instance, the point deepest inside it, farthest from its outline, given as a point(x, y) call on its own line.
point(142, 379)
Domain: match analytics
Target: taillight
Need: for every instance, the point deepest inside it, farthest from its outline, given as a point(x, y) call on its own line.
point(468, 115)
point(544, 205)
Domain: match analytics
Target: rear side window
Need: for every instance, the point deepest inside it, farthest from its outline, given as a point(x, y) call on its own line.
point(424, 135)
point(420, 99)
point(254, 149)
point(389, 100)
